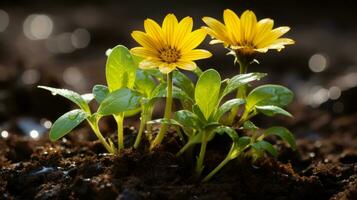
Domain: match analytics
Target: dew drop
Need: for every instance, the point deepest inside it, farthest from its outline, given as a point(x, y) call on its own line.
point(73, 116)
point(54, 93)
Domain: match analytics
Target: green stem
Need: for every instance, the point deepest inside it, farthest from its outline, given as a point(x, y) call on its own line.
point(168, 107)
point(201, 157)
point(219, 167)
point(120, 126)
point(144, 116)
point(149, 126)
point(241, 92)
point(95, 128)
point(184, 148)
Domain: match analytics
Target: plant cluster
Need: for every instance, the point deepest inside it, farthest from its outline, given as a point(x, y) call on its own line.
point(140, 77)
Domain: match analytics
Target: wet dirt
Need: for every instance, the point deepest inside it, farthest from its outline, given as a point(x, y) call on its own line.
point(324, 167)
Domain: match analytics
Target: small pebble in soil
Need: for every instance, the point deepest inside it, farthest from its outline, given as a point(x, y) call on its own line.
point(312, 154)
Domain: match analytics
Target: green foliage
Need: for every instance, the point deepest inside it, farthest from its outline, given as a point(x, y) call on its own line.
point(203, 113)
point(275, 95)
point(119, 101)
point(70, 95)
point(283, 133)
point(239, 80)
point(265, 146)
point(207, 91)
point(120, 68)
point(66, 123)
point(100, 92)
point(185, 83)
point(271, 110)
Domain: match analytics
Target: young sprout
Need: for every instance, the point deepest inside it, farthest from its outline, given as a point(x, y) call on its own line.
point(244, 37)
point(268, 100)
point(169, 47)
point(120, 73)
point(256, 146)
point(119, 101)
point(201, 124)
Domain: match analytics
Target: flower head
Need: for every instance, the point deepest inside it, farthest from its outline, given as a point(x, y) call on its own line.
point(170, 46)
point(245, 34)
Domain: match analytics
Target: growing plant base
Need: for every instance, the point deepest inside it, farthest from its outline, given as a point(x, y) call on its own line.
point(81, 169)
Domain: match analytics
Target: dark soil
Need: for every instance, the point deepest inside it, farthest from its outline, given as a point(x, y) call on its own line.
point(324, 167)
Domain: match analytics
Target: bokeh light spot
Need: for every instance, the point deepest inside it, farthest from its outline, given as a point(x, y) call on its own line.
point(38, 27)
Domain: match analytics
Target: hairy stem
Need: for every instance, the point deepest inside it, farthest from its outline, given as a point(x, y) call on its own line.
point(160, 136)
point(120, 126)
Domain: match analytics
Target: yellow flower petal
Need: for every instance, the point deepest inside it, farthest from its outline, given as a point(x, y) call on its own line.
point(167, 68)
point(272, 36)
point(144, 40)
point(280, 43)
point(232, 22)
point(248, 23)
point(171, 46)
point(264, 27)
point(216, 29)
point(154, 31)
point(143, 52)
point(148, 64)
point(187, 65)
point(192, 40)
point(184, 28)
point(196, 54)
point(169, 26)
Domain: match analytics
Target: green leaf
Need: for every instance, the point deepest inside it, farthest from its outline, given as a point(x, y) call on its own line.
point(188, 119)
point(269, 95)
point(70, 95)
point(156, 73)
point(66, 123)
point(271, 110)
point(229, 131)
point(243, 142)
point(283, 133)
point(239, 146)
point(131, 113)
point(264, 145)
point(144, 83)
point(248, 125)
point(239, 80)
point(183, 82)
point(207, 91)
point(198, 112)
point(119, 101)
point(100, 92)
point(88, 97)
point(227, 106)
point(164, 121)
point(198, 71)
point(161, 91)
point(120, 68)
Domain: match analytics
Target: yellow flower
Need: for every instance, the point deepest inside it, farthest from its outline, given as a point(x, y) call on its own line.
point(246, 35)
point(170, 46)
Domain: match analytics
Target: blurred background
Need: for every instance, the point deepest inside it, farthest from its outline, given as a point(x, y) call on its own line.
point(63, 44)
